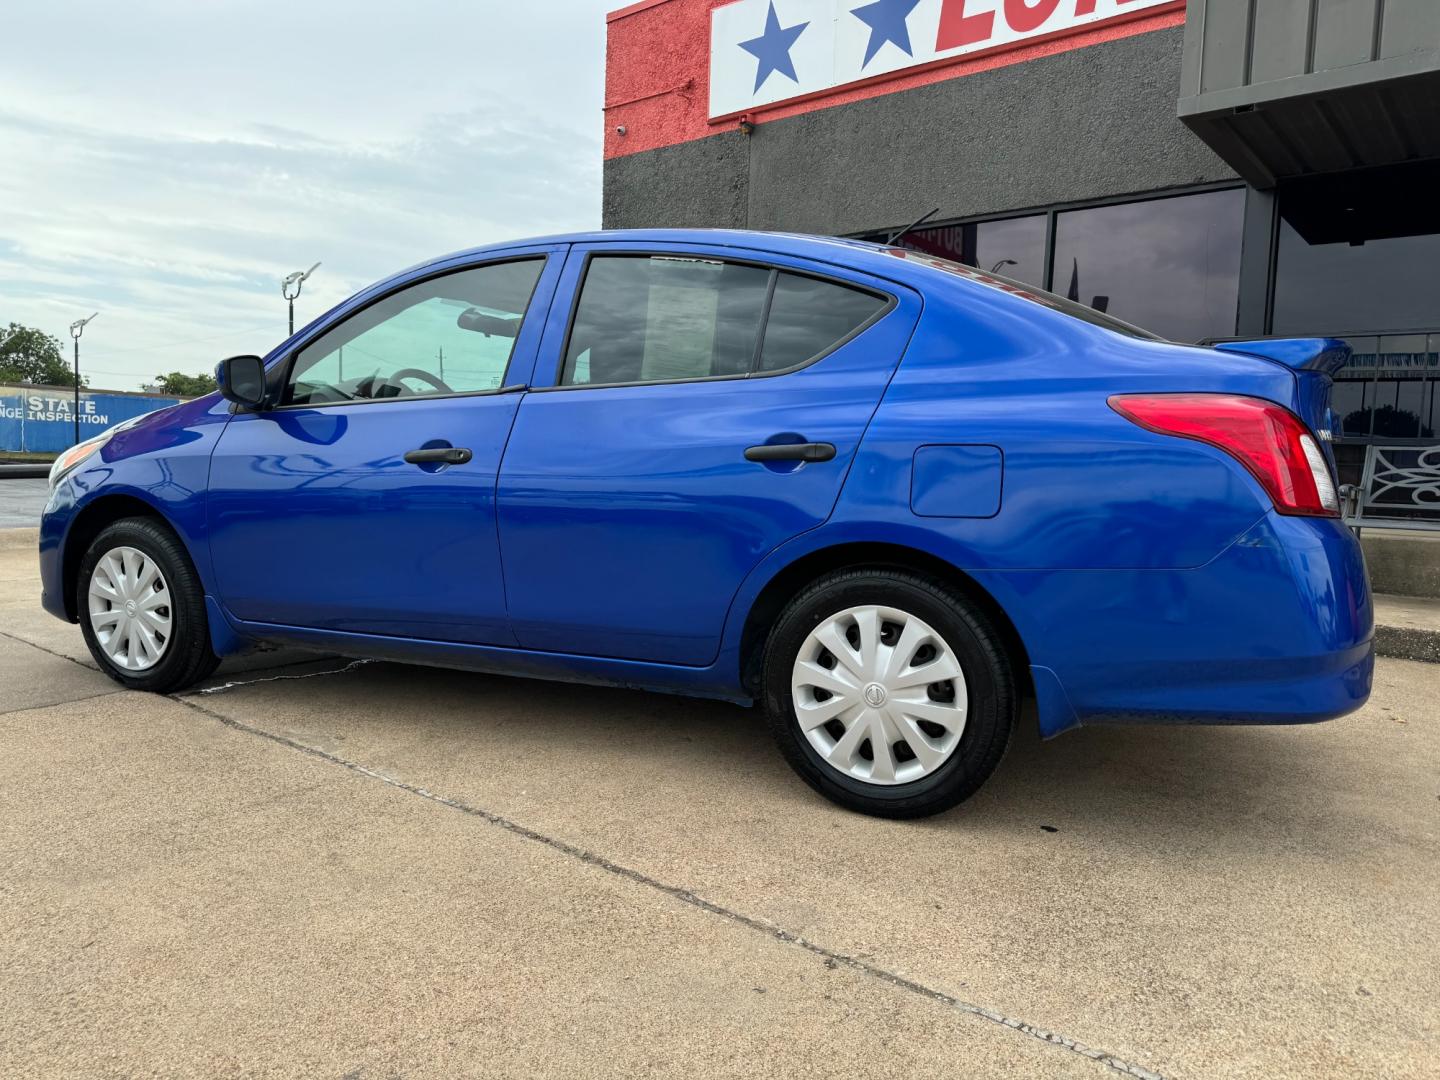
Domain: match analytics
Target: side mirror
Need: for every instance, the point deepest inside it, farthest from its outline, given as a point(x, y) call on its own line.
point(241, 379)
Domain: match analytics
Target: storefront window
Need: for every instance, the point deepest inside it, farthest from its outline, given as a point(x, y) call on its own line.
point(1354, 390)
point(1332, 288)
point(1013, 248)
point(1387, 390)
point(1169, 265)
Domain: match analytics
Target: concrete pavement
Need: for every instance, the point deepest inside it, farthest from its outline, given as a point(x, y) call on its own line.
point(393, 870)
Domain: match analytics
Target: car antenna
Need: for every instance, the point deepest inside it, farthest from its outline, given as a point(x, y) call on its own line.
point(911, 227)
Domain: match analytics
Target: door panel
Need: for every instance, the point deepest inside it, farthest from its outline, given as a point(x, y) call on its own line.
point(316, 518)
point(629, 515)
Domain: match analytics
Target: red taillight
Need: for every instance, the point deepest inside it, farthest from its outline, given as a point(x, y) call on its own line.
point(1267, 439)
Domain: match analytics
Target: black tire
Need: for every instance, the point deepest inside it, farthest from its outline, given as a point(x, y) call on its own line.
point(188, 657)
point(984, 661)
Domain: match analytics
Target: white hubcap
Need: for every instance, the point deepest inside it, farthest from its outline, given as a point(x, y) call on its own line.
point(879, 694)
point(130, 609)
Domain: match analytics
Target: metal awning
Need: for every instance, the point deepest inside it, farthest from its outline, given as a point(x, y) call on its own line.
point(1282, 89)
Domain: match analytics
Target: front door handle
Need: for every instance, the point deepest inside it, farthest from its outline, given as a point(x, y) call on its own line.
point(804, 451)
point(442, 455)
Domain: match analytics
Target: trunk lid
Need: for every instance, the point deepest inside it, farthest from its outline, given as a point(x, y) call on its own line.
point(1314, 362)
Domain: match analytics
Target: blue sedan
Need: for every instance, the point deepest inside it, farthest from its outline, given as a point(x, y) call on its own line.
point(884, 496)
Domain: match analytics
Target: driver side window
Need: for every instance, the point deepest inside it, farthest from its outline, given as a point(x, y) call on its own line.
point(447, 335)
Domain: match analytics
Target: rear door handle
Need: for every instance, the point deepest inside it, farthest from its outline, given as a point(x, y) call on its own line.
point(805, 451)
point(445, 455)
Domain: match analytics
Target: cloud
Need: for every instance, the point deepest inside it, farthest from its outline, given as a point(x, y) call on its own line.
point(178, 226)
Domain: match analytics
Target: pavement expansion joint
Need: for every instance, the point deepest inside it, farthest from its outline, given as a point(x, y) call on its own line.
point(52, 652)
point(67, 701)
point(832, 957)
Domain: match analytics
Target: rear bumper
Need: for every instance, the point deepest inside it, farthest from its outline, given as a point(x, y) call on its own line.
point(1276, 630)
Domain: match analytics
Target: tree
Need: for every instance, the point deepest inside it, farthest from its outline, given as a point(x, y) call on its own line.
point(1389, 423)
point(30, 355)
point(182, 385)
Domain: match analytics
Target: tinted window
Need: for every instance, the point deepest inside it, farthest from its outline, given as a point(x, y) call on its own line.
point(448, 335)
point(658, 318)
point(808, 317)
point(1169, 265)
point(1334, 288)
point(1014, 247)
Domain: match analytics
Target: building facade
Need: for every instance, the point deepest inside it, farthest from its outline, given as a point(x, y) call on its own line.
point(1222, 168)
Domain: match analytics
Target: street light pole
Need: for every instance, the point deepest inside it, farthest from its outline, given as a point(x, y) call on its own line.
point(76, 329)
point(296, 282)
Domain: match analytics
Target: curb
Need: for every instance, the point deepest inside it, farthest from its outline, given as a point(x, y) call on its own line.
point(1407, 643)
point(23, 470)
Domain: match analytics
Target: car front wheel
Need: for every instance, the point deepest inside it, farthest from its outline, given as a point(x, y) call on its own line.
point(142, 608)
point(888, 692)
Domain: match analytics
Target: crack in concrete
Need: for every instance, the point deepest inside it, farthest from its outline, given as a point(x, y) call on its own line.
point(832, 957)
point(276, 678)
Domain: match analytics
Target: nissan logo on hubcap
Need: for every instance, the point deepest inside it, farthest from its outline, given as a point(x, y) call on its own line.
point(875, 695)
point(130, 608)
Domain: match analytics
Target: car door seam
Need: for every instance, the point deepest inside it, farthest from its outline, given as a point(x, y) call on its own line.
point(509, 433)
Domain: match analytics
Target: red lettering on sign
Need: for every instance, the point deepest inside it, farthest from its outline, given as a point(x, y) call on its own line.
point(1023, 17)
point(957, 28)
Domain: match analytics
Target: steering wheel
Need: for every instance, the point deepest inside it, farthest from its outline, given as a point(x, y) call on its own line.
point(416, 373)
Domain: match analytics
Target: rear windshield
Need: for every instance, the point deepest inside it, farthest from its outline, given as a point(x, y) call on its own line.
point(1072, 308)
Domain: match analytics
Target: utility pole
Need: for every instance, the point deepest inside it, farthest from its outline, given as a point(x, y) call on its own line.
point(296, 282)
point(76, 329)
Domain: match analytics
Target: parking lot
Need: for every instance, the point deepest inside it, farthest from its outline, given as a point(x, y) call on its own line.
point(372, 870)
point(21, 501)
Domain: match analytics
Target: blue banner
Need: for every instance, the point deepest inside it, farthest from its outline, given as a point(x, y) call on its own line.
point(38, 419)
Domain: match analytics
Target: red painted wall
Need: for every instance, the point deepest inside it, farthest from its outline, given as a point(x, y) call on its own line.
point(657, 60)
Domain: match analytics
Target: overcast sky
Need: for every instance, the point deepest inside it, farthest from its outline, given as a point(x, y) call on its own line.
point(168, 161)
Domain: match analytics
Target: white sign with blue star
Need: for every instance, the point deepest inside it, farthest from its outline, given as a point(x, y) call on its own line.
point(768, 51)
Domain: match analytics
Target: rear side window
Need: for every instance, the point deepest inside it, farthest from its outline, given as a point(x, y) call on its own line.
point(809, 317)
point(665, 318)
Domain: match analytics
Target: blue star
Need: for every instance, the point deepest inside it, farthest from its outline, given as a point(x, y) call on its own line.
point(886, 19)
point(772, 48)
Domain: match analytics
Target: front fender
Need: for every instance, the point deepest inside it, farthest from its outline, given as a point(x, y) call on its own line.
point(162, 464)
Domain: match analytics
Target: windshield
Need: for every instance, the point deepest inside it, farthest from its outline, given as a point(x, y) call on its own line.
point(1072, 308)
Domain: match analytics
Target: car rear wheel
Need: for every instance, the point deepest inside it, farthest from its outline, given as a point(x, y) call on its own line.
point(142, 608)
point(888, 692)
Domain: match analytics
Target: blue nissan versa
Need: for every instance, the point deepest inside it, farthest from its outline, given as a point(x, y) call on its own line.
point(885, 495)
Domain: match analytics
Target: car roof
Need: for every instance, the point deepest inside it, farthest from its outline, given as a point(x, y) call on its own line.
point(753, 238)
point(840, 251)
